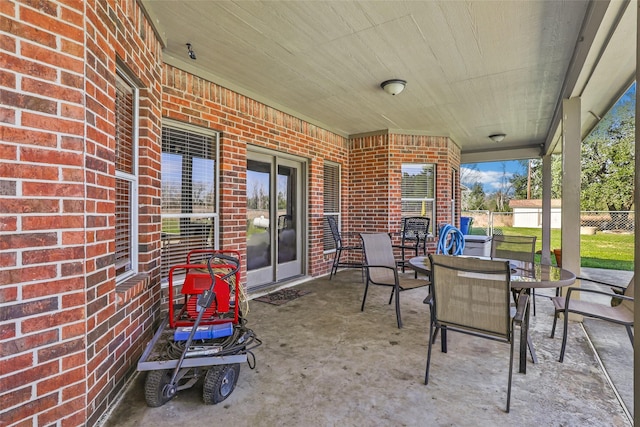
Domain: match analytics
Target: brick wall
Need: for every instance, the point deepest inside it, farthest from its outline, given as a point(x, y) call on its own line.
point(245, 122)
point(68, 336)
point(376, 168)
point(120, 319)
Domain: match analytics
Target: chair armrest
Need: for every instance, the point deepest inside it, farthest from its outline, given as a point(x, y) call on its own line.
point(598, 282)
point(523, 300)
point(380, 266)
point(595, 291)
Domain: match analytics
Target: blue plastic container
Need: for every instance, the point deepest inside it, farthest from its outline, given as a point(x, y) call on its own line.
point(465, 224)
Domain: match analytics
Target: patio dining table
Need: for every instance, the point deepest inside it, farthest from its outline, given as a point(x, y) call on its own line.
point(522, 277)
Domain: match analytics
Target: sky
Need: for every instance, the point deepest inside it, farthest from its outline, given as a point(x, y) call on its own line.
point(490, 174)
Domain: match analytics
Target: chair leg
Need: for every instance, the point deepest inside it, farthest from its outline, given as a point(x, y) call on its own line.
point(510, 373)
point(564, 335)
point(397, 290)
point(555, 320)
point(431, 339)
point(443, 339)
point(364, 298)
point(630, 333)
point(336, 261)
point(533, 297)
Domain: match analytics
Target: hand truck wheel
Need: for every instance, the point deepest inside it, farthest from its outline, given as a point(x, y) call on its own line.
point(154, 386)
point(219, 383)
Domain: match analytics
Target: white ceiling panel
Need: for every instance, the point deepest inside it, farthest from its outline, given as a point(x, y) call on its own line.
point(473, 67)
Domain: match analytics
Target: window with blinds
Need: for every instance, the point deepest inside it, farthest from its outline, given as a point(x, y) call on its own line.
point(418, 190)
point(331, 187)
point(189, 200)
point(126, 177)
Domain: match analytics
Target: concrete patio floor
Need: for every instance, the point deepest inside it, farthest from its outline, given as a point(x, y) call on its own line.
point(323, 362)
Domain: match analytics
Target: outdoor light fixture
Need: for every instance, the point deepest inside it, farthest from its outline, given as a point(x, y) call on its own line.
point(497, 137)
point(190, 51)
point(393, 87)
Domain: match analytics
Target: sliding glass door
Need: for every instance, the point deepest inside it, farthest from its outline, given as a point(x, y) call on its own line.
point(275, 229)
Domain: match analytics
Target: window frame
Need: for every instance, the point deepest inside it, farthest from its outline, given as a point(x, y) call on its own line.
point(215, 215)
point(328, 244)
point(131, 178)
point(432, 213)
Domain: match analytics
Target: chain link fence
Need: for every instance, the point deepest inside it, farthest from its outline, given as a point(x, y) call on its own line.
point(489, 223)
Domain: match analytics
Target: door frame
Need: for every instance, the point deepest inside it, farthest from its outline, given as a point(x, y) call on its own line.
point(270, 275)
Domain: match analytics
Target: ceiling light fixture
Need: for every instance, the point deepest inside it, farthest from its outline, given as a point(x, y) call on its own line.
point(497, 137)
point(394, 86)
point(190, 51)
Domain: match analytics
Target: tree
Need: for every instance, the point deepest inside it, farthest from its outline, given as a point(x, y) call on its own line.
point(500, 199)
point(608, 160)
point(476, 198)
point(530, 184)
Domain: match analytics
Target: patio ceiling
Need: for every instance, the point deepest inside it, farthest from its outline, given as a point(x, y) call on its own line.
point(473, 68)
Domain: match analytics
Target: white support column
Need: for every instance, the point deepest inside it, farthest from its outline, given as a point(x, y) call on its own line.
point(546, 210)
point(636, 224)
point(571, 143)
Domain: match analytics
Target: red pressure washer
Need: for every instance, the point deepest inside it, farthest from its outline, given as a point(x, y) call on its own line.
point(203, 337)
point(197, 282)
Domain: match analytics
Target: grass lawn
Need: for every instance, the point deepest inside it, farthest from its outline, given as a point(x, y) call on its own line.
point(601, 250)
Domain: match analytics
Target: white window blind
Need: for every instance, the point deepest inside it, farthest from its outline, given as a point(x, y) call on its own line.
point(126, 135)
point(418, 190)
point(331, 202)
point(189, 201)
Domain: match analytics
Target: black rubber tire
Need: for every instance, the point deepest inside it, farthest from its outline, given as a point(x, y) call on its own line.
point(219, 383)
point(153, 386)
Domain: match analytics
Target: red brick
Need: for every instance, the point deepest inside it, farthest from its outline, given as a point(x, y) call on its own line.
point(53, 287)
point(24, 274)
point(17, 397)
point(28, 32)
point(7, 331)
point(52, 320)
point(18, 379)
point(7, 8)
point(28, 206)
point(59, 350)
point(54, 124)
point(48, 56)
point(28, 409)
point(27, 240)
point(37, 189)
point(57, 382)
point(7, 44)
point(74, 390)
point(43, 6)
point(8, 223)
point(52, 222)
point(24, 136)
point(16, 363)
point(55, 157)
point(23, 65)
point(7, 115)
point(28, 102)
point(73, 330)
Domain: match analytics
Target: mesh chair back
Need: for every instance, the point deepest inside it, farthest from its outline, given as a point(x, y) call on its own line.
point(335, 232)
point(378, 251)
point(415, 227)
point(517, 248)
point(472, 294)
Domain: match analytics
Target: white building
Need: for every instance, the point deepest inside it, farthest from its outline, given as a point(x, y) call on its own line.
point(528, 213)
